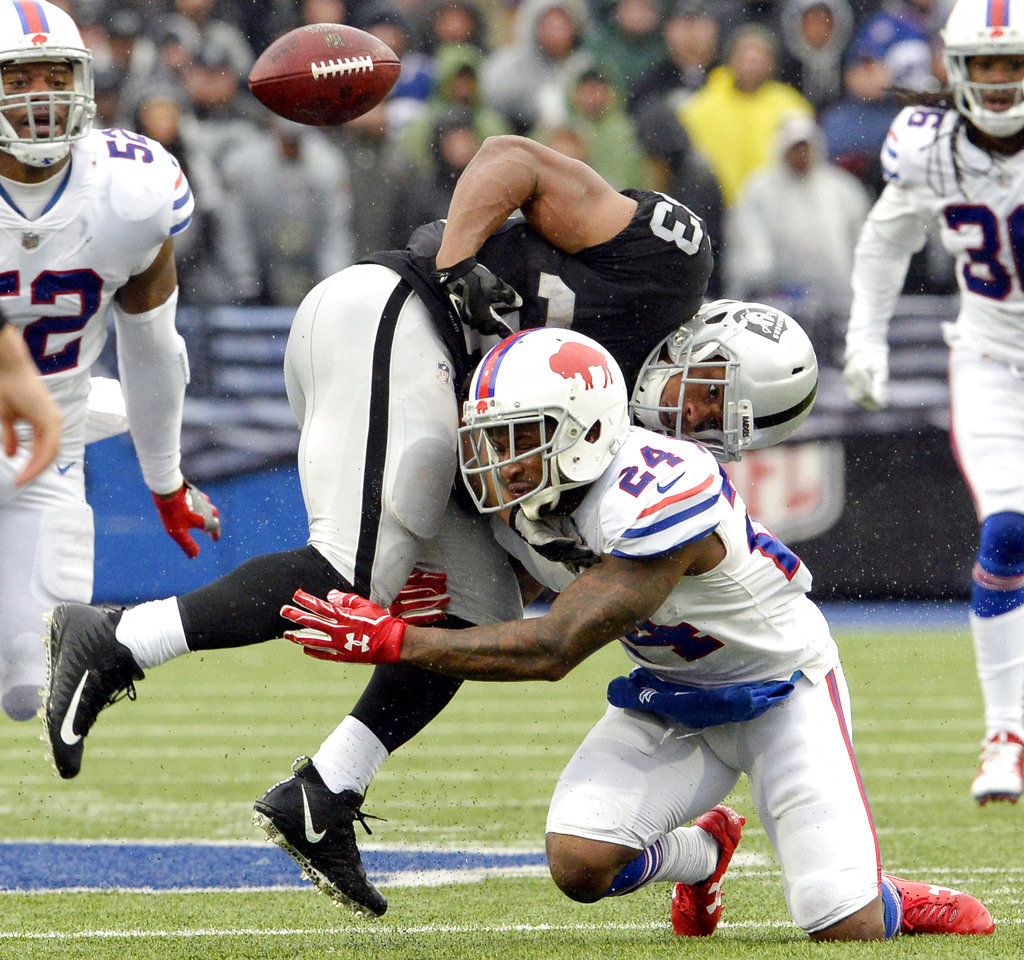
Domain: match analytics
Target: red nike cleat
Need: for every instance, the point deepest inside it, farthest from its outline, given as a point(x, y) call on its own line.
point(697, 907)
point(928, 908)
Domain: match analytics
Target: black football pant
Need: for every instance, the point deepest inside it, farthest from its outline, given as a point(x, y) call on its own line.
point(243, 608)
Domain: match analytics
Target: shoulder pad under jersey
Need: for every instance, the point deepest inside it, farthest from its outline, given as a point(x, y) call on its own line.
point(911, 138)
point(146, 180)
point(667, 498)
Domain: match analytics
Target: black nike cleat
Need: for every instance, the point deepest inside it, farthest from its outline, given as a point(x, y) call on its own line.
point(87, 669)
point(313, 825)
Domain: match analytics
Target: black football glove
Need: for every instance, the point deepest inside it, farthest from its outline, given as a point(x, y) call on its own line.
point(554, 538)
point(478, 297)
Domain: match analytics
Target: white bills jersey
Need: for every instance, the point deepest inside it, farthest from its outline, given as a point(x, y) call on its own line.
point(936, 175)
point(121, 197)
point(749, 618)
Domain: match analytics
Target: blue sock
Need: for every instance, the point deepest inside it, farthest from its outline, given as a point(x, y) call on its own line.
point(893, 907)
point(637, 872)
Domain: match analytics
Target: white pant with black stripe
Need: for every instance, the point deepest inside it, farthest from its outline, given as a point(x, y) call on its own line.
point(372, 385)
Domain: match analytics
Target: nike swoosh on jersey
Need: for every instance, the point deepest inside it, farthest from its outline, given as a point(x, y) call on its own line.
point(67, 727)
point(312, 834)
point(665, 487)
point(65, 469)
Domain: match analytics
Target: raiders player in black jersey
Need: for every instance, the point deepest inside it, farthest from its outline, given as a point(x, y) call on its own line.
point(374, 363)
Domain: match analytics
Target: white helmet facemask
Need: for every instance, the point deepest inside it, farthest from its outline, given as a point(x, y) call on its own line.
point(37, 128)
point(975, 28)
point(753, 358)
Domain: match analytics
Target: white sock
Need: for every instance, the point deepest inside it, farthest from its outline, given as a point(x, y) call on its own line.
point(350, 757)
point(688, 855)
point(153, 632)
point(999, 652)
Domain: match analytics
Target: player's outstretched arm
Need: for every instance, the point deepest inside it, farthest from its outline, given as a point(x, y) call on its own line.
point(153, 366)
point(604, 603)
point(564, 200)
point(23, 396)
point(888, 239)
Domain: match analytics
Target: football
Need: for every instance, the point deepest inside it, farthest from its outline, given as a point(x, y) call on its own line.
point(324, 73)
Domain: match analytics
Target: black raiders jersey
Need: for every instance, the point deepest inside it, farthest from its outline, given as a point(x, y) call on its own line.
point(627, 293)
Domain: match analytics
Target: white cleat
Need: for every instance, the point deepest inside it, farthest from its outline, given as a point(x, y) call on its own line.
point(1001, 774)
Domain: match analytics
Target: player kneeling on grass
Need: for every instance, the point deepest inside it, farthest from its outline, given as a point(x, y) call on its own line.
point(736, 671)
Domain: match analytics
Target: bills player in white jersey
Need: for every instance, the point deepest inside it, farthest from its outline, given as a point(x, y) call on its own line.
point(24, 397)
point(963, 169)
point(87, 220)
point(736, 671)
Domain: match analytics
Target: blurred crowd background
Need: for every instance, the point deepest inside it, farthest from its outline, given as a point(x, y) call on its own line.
point(765, 116)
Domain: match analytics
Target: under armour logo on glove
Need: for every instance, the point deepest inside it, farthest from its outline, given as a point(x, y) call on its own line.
point(345, 627)
point(188, 509)
point(357, 643)
point(479, 299)
point(555, 538)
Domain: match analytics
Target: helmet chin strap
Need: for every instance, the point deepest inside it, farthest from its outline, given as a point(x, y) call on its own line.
point(38, 154)
point(544, 501)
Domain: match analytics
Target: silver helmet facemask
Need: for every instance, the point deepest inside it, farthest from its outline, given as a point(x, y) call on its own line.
point(760, 360)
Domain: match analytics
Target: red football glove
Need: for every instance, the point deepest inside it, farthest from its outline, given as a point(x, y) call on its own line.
point(345, 627)
point(188, 509)
point(423, 598)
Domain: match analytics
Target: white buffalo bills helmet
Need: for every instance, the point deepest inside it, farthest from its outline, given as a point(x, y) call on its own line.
point(566, 385)
point(32, 31)
point(973, 28)
point(760, 359)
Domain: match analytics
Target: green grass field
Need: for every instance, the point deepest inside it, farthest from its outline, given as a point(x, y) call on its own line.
point(209, 734)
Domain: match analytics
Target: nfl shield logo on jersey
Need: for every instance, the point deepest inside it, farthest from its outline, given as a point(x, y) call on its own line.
point(30, 240)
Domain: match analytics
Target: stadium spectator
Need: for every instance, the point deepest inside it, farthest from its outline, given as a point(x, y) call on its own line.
point(608, 132)
point(457, 83)
point(958, 166)
point(691, 33)
point(815, 34)
point(453, 143)
point(210, 58)
point(452, 22)
point(528, 79)
point(855, 126)
point(96, 213)
point(24, 399)
point(133, 66)
point(291, 184)
point(262, 21)
point(736, 671)
point(902, 34)
point(789, 237)
point(321, 11)
point(626, 43)
point(389, 23)
point(382, 176)
point(733, 119)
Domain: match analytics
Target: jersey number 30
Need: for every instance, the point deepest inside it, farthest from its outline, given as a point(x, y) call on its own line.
point(984, 274)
